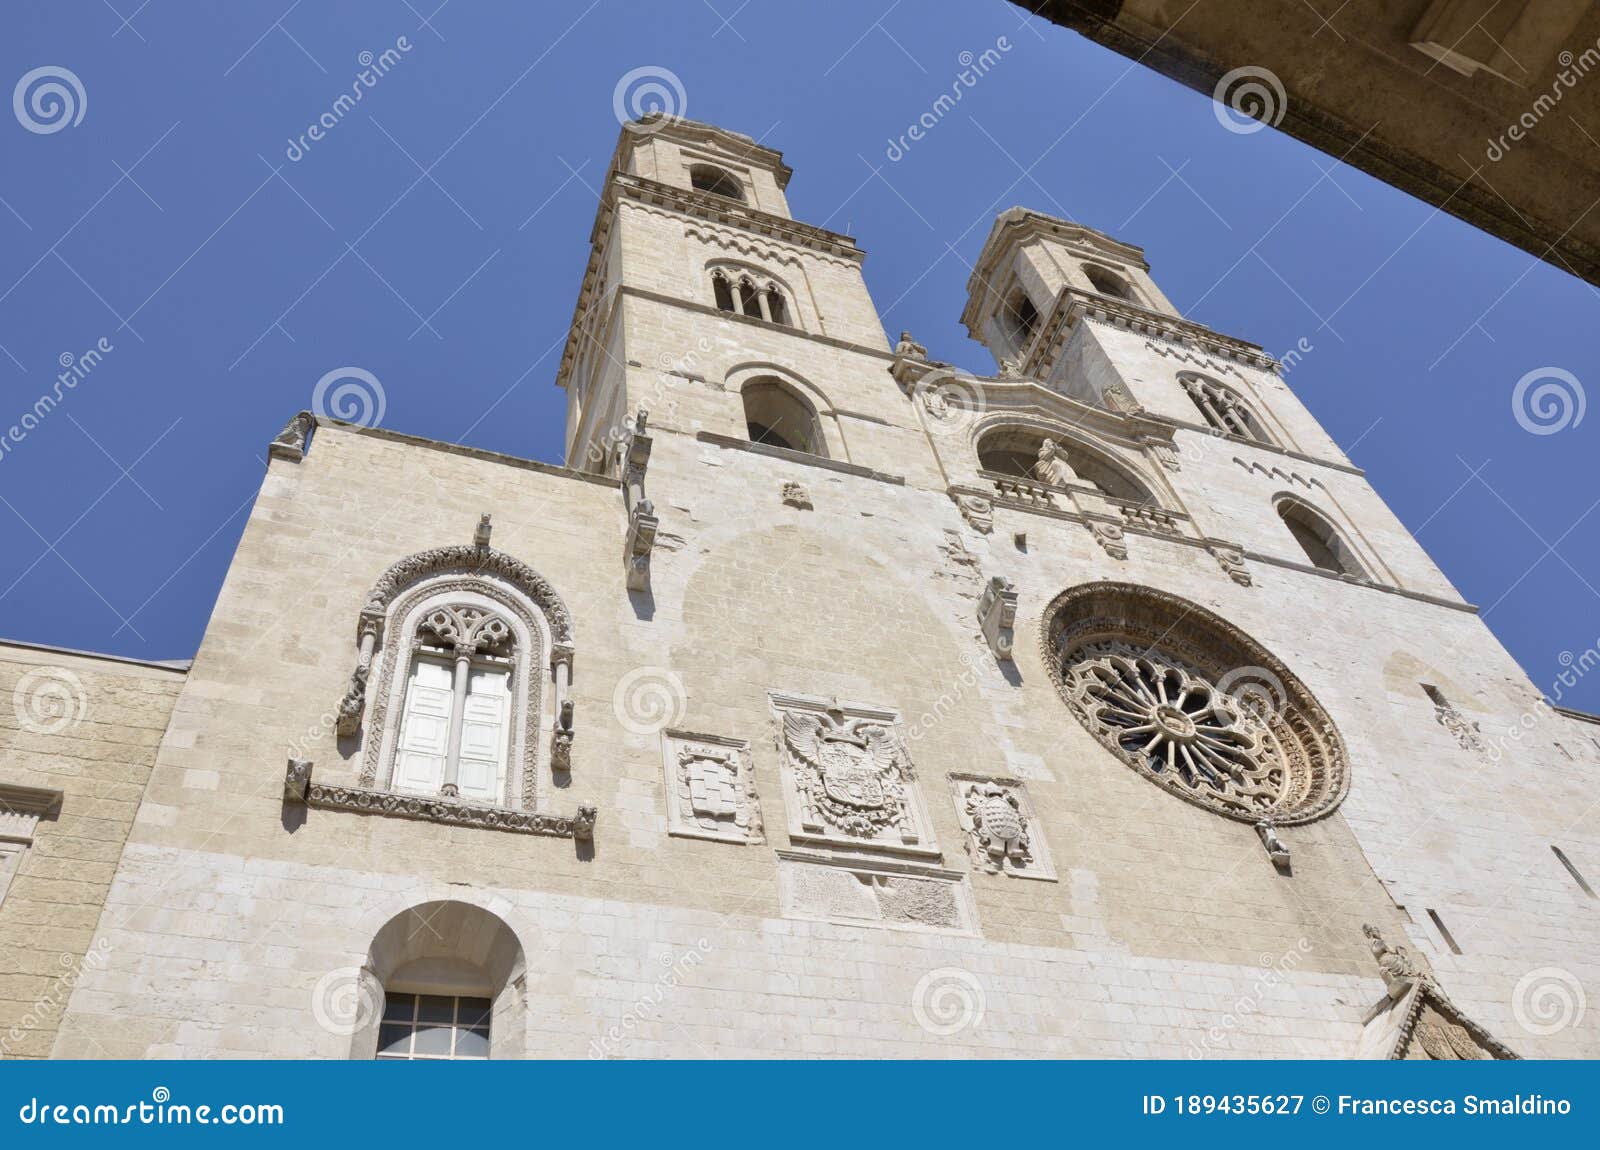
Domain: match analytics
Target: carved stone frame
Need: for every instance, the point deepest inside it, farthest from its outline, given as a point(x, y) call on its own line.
point(681, 823)
point(1315, 754)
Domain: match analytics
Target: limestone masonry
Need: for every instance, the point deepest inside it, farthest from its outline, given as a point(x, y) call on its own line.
point(830, 702)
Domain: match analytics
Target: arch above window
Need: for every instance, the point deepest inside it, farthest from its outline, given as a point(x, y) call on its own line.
point(777, 415)
point(717, 181)
point(1107, 282)
point(1322, 543)
point(1035, 454)
point(440, 981)
point(1222, 409)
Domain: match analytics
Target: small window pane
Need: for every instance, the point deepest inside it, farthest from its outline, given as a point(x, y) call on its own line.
point(399, 1007)
point(433, 1041)
point(394, 1039)
point(474, 1012)
point(472, 1044)
point(436, 1008)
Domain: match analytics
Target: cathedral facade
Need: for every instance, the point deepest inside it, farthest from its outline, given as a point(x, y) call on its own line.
point(831, 701)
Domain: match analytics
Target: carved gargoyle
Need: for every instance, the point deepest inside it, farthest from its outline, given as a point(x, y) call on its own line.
point(561, 742)
point(296, 778)
point(1400, 971)
point(1267, 830)
point(583, 823)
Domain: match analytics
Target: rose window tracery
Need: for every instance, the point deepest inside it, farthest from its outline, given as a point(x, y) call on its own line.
point(1193, 704)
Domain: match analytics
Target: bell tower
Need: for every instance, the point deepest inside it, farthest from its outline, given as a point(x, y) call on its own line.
point(707, 304)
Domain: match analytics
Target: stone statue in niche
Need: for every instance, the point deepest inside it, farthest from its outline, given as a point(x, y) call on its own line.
point(1052, 467)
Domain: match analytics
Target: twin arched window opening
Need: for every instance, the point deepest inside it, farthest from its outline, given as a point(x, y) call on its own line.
point(744, 294)
point(1322, 544)
point(775, 415)
point(1222, 410)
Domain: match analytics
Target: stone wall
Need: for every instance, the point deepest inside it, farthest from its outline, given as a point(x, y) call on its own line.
point(87, 727)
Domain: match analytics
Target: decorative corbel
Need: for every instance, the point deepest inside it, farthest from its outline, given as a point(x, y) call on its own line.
point(355, 698)
point(1231, 559)
point(1267, 831)
point(583, 823)
point(296, 778)
point(642, 522)
point(480, 537)
point(292, 441)
point(997, 614)
point(1111, 537)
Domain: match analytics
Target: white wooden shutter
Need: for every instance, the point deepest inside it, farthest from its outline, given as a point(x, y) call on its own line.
point(424, 729)
point(483, 734)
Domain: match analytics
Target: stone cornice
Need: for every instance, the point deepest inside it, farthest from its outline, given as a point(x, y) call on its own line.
point(1016, 226)
point(1072, 305)
point(622, 186)
point(29, 800)
point(798, 457)
point(43, 652)
point(478, 453)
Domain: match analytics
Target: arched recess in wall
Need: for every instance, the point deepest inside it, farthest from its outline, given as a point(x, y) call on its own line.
point(442, 980)
point(1110, 283)
point(782, 408)
point(717, 181)
point(1228, 412)
point(1020, 449)
point(1322, 543)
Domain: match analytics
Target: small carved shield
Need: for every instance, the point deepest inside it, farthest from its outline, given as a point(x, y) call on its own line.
point(849, 776)
point(998, 818)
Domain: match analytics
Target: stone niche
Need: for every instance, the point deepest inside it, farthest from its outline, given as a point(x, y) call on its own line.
point(848, 781)
point(830, 888)
point(711, 788)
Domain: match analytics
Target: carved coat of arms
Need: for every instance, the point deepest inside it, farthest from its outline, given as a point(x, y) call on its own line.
point(851, 775)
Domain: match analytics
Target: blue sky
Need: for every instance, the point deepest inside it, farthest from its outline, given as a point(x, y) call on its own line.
point(228, 279)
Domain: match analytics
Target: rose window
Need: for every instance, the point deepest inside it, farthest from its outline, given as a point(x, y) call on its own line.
point(1193, 704)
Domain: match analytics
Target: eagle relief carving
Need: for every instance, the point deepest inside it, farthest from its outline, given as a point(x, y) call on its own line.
point(850, 777)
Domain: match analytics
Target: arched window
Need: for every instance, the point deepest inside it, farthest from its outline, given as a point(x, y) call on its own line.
point(1036, 455)
point(749, 294)
point(1021, 319)
point(1323, 545)
point(1108, 282)
point(439, 983)
point(1222, 410)
point(776, 416)
point(709, 178)
point(466, 648)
